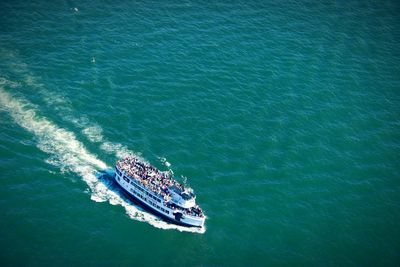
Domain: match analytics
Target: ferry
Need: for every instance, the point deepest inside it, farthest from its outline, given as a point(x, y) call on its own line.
point(159, 192)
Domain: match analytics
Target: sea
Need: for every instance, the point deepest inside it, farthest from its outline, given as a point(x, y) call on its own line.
point(283, 116)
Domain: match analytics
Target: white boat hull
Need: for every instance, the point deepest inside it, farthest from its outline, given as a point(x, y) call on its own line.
point(146, 197)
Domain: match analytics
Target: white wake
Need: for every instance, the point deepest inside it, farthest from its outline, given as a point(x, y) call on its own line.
point(61, 105)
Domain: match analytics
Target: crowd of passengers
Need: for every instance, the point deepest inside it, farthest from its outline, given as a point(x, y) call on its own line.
point(152, 178)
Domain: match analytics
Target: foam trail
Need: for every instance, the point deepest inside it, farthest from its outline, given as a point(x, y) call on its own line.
point(52, 139)
point(92, 131)
point(70, 155)
point(62, 105)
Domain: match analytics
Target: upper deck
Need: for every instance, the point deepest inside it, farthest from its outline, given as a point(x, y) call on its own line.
point(149, 176)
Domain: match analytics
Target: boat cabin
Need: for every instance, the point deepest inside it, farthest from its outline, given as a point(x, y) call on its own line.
point(183, 198)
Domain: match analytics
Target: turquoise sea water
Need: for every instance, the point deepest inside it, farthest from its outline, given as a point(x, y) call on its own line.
point(283, 116)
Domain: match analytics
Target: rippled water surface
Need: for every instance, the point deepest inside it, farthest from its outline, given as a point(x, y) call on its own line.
point(283, 117)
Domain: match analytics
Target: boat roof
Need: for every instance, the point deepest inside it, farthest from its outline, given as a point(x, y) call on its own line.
point(175, 189)
point(187, 193)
